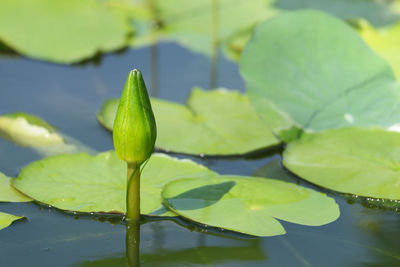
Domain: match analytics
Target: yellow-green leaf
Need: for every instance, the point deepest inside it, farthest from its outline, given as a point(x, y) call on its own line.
point(216, 122)
point(248, 205)
point(61, 31)
point(85, 183)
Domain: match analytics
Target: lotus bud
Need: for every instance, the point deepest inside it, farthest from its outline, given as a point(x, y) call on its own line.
point(134, 130)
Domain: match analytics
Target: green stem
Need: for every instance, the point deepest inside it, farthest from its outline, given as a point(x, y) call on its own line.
point(214, 44)
point(133, 193)
point(133, 243)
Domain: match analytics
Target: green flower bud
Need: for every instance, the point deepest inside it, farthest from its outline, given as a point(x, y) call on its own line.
point(134, 130)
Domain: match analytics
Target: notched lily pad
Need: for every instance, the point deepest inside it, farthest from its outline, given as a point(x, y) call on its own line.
point(248, 205)
point(61, 31)
point(331, 80)
point(8, 193)
point(7, 219)
point(217, 122)
point(363, 162)
point(85, 183)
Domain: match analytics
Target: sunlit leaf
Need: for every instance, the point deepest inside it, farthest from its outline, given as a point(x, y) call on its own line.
point(364, 162)
point(331, 79)
point(30, 131)
point(385, 41)
point(8, 193)
point(61, 31)
point(248, 205)
point(191, 23)
point(85, 183)
point(217, 122)
point(7, 219)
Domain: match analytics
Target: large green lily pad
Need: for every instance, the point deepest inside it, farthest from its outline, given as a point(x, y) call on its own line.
point(61, 31)
point(385, 41)
point(7, 219)
point(331, 80)
point(217, 122)
point(85, 183)
point(363, 162)
point(8, 193)
point(248, 205)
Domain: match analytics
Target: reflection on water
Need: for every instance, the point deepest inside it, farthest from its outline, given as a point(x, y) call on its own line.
point(133, 243)
point(245, 251)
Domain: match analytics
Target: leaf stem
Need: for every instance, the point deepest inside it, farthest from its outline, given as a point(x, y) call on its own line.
point(133, 192)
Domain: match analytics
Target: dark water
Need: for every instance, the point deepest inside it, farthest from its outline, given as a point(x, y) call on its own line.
point(69, 97)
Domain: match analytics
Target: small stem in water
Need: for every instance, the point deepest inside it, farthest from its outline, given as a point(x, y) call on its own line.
point(133, 243)
point(133, 193)
point(214, 44)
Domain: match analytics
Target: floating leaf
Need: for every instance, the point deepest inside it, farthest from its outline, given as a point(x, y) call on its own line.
point(385, 41)
point(30, 131)
point(61, 31)
point(85, 183)
point(8, 193)
point(248, 205)
point(217, 122)
point(190, 22)
point(363, 162)
point(331, 80)
point(7, 219)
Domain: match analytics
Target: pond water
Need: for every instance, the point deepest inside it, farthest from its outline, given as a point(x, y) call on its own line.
point(69, 97)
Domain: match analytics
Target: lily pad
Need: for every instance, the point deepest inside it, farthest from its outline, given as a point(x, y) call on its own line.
point(8, 193)
point(363, 162)
point(30, 131)
point(331, 80)
point(61, 31)
point(190, 23)
point(7, 219)
point(217, 122)
point(385, 41)
point(85, 183)
point(248, 205)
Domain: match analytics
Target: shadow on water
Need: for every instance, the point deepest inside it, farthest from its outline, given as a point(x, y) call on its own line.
point(7, 51)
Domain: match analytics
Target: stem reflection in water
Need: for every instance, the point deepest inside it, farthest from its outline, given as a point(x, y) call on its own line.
point(214, 44)
point(133, 243)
